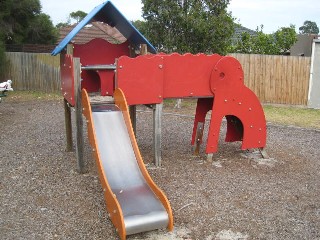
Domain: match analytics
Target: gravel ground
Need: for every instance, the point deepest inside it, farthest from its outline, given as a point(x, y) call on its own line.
point(238, 196)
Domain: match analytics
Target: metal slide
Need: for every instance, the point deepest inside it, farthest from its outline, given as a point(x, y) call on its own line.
point(135, 204)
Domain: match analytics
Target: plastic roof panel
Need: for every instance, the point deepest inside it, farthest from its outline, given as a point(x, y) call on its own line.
point(107, 13)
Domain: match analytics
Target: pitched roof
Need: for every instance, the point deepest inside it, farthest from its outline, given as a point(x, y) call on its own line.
point(91, 31)
point(107, 13)
point(238, 30)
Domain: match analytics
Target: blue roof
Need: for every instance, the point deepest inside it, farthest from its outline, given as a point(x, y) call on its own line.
point(107, 13)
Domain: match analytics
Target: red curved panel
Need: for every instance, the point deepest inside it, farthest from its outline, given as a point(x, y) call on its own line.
point(67, 78)
point(233, 98)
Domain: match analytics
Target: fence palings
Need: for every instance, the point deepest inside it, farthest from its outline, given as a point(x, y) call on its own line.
point(34, 71)
point(277, 79)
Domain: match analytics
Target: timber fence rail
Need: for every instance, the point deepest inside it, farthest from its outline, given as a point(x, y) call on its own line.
point(274, 79)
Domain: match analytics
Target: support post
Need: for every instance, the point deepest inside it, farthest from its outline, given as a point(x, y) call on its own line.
point(263, 153)
point(199, 136)
point(78, 113)
point(210, 157)
point(68, 125)
point(157, 113)
point(143, 49)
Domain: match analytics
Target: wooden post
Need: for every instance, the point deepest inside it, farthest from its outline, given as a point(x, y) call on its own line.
point(143, 49)
point(263, 153)
point(199, 136)
point(157, 113)
point(70, 49)
point(68, 124)
point(210, 157)
point(78, 113)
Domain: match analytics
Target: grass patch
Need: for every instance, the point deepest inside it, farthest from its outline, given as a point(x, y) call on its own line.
point(302, 117)
point(186, 103)
point(31, 95)
point(284, 115)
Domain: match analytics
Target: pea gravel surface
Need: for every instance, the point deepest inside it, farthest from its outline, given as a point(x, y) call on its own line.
point(237, 196)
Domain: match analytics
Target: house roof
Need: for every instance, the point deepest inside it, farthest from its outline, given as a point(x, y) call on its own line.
point(109, 14)
point(238, 30)
point(91, 31)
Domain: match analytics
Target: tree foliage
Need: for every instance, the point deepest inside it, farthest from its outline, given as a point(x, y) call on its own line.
point(78, 15)
point(309, 27)
point(41, 30)
point(187, 25)
point(20, 19)
point(277, 43)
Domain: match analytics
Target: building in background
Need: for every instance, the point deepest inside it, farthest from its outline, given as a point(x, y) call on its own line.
point(303, 47)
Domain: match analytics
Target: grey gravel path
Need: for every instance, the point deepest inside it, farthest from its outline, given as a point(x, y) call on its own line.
point(235, 197)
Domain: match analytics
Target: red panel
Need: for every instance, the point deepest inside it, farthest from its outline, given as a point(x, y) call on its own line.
point(188, 75)
point(141, 79)
point(91, 81)
point(232, 98)
point(98, 52)
point(107, 82)
point(182, 76)
point(67, 78)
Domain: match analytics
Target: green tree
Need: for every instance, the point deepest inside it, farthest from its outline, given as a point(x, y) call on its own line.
point(62, 24)
point(140, 25)
point(78, 15)
point(19, 18)
point(285, 37)
point(15, 18)
point(309, 27)
point(41, 30)
point(277, 43)
point(188, 25)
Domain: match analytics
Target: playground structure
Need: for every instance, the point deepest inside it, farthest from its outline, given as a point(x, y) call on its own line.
point(124, 76)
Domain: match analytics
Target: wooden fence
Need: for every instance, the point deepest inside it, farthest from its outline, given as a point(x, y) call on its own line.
point(277, 79)
point(274, 79)
point(34, 71)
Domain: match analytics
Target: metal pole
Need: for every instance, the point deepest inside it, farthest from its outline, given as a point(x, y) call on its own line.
point(157, 113)
point(78, 113)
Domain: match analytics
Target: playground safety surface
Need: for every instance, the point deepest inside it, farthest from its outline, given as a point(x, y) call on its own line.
point(237, 196)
